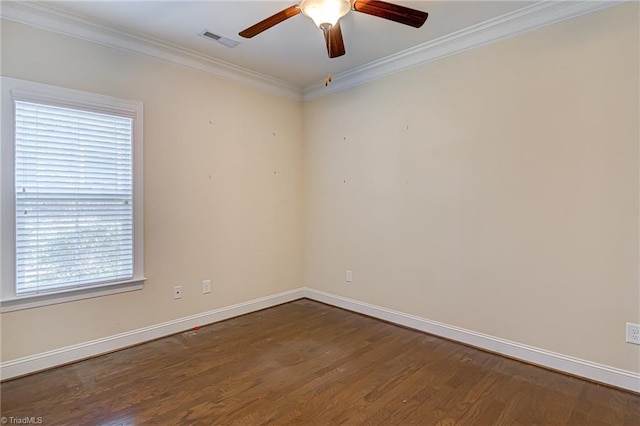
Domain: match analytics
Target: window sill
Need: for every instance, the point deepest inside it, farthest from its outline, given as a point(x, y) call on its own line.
point(37, 300)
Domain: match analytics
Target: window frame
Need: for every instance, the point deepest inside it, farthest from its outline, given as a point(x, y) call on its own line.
point(12, 90)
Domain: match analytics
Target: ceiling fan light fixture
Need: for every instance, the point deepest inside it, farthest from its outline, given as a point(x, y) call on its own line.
point(325, 12)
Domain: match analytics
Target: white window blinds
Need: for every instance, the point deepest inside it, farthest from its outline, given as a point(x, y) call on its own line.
point(74, 198)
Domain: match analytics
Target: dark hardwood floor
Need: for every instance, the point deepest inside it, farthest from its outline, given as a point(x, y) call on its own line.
point(312, 364)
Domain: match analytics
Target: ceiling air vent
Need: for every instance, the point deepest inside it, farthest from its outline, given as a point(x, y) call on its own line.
point(220, 39)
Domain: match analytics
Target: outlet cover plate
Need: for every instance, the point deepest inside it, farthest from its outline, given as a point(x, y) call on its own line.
point(633, 333)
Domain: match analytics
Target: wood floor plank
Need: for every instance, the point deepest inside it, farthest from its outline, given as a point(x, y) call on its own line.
point(305, 363)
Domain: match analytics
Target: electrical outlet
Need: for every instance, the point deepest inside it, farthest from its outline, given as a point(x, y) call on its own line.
point(177, 292)
point(349, 276)
point(633, 333)
point(206, 286)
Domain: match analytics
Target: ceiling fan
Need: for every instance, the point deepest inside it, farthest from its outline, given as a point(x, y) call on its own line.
point(326, 15)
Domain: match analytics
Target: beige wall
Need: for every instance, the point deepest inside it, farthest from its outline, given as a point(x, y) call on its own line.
point(214, 209)
point(495, 190)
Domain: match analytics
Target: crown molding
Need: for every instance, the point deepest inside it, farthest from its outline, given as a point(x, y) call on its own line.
point(528, 18)
point(48, 18)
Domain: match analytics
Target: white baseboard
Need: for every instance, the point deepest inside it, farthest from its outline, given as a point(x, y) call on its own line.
point(575, 366)
point(45, 360)
point(578, 367)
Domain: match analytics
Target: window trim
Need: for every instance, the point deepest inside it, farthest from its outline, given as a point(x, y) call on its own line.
point(21, 90)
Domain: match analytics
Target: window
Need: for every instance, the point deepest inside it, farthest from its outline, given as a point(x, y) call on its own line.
point(74, 192)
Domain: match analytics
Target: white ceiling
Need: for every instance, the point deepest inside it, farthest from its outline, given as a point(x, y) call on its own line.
point(293, 51)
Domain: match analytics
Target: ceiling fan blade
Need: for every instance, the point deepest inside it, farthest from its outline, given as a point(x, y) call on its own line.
point(335, 43)
point(264, 25)
point(393, 12)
